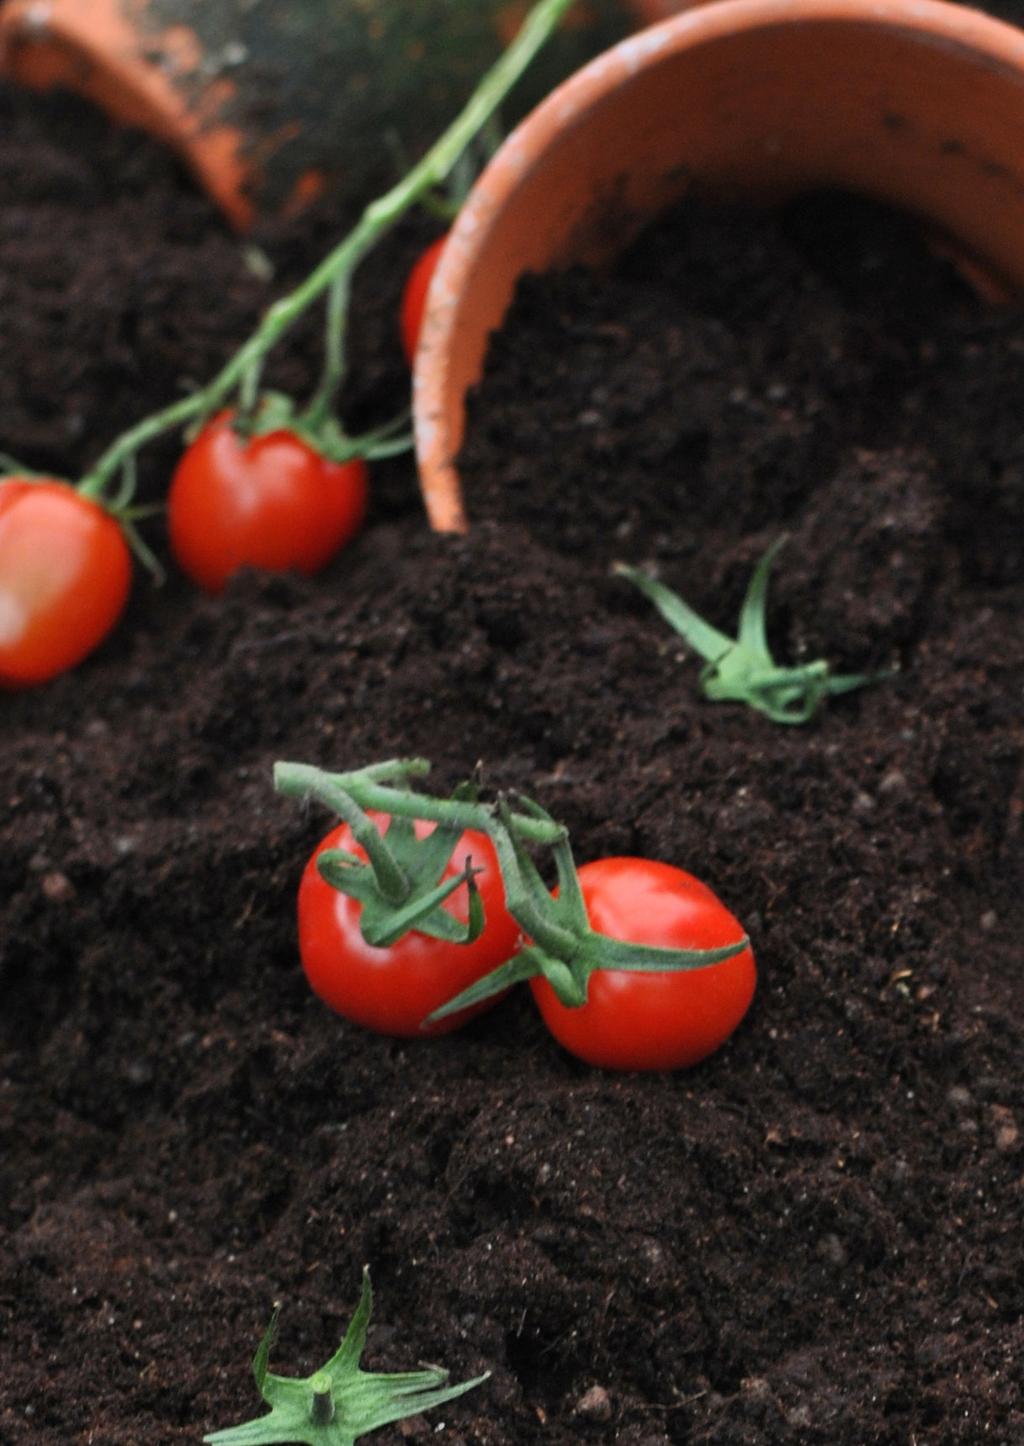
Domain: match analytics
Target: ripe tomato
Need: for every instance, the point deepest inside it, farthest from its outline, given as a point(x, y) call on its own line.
point(268, 501)
point(414, 297)
point(393, 989)
point(653, 1020)
point(65, 572)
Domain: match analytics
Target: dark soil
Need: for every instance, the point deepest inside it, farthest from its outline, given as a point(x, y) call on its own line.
point(814, 1237)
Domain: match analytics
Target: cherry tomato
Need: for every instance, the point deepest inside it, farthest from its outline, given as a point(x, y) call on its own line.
point(65, 572)
point(268, 501)
point(391, 990)
point(653, 1020)
point(414, 298)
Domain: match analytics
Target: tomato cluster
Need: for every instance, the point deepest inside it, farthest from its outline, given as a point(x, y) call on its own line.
point(632, 1019)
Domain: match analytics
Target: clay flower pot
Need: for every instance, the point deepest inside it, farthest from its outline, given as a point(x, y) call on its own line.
point(917, 104)
point(271, 101)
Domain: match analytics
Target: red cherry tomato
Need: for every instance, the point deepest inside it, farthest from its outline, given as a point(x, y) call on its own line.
point(653, 1021)
point(65, 572)
point(391, 990)
point(270, 501)
point(414, 298)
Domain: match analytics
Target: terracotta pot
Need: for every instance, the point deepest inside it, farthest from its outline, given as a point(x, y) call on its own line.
point(920, 104)
point(270, 101)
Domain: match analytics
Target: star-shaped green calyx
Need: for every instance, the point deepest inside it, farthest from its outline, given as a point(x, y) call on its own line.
point(339, 1403)
point(741, 669)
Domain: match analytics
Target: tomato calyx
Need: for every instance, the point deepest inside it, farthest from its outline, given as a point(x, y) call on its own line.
point(742, 669)
point(564, 948)
point(340, 1402)
point(400, 885)
point(319, 429)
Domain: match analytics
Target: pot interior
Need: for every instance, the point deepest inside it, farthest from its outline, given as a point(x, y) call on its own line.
point(919, 106)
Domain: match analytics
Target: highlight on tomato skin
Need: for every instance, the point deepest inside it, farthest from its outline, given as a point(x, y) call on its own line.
point(269, 501)
point(65, 575)
point(653, 1021)
point(390, 990)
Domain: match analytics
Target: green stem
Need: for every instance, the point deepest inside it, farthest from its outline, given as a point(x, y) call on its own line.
point(303, 780)
point(322, 403)
point(379, 217)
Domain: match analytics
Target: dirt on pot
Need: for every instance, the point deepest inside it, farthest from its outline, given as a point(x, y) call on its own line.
point(812, 1238)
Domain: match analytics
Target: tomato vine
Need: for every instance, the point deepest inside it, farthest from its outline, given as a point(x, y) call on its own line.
point(647, 1017)
point(55, 604)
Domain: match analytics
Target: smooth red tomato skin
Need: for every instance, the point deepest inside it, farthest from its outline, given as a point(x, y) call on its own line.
point(65, 574)
point(639, 1021)
point(392, 990)
point(414, 297)
point(269, 502)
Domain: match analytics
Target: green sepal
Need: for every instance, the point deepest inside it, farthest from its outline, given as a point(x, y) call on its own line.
point(514, 971)
point(742, 669)
point(277, 412)
point(392, 439)
point(606, 953)
point(382, 923)
point(570, 979)
point(340, 1402)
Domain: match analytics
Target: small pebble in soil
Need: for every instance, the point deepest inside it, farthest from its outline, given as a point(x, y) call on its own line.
point(595, 1404)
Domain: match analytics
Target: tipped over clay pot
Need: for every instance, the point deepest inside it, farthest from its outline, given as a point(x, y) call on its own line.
point(272, 101)
point(915, 103)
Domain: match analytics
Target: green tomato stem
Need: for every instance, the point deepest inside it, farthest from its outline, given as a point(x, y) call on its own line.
point(322, 404)
point(337, 267)
point(304, 780)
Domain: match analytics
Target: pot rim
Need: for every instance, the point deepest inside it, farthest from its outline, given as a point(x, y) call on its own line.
point(437, 436)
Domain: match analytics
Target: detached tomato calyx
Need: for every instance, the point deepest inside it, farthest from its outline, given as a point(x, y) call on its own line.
point(741, 669)
point(565, 949)
point(340, 1402)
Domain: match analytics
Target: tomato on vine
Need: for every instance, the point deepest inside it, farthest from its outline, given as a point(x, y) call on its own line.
point(261, 485)
point(65, 574)
point(634, 964)
point(395, 916)
point(267, 499)
point(414, 297)
point(649, 1019)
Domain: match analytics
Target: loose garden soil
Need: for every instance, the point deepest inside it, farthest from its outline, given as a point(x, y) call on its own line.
point(814, 1237)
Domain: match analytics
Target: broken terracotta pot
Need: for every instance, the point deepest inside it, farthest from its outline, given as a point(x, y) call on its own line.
point(271, 101)
point(916, 103)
